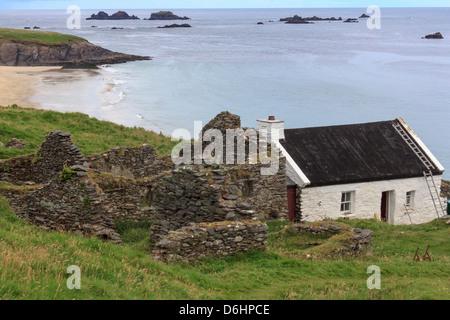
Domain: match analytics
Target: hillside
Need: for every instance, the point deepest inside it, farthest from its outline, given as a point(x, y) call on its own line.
point(41, 48)
point(89, 134)
point(33, 262)
point(33, 265)
point(41, 37)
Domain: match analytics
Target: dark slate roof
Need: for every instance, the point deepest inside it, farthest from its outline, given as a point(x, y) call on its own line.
point(352, 153)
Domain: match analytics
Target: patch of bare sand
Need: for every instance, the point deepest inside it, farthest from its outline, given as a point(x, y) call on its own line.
point(16, 84)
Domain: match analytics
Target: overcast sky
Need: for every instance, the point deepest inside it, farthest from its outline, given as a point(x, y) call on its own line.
point(169, 4)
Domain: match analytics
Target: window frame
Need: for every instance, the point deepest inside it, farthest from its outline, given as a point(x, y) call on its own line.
point(410, 195)
point(347, 202)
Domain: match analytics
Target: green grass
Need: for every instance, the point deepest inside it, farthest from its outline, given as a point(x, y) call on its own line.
point(41, 37)
point(89, 134)
point(33, 265)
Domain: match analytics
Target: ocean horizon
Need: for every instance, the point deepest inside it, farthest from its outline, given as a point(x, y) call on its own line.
point(321, 74)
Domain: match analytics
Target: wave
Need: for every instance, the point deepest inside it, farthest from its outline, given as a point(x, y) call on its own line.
point(113, 91)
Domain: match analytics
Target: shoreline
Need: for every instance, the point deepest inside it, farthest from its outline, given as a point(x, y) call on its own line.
point(98, 93)
point(17, 85)
point(54, 88)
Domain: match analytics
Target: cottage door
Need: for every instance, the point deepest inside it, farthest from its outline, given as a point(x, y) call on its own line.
point(291, 195)
point(384, 206)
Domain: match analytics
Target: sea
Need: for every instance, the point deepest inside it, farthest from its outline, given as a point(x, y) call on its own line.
point(321, 74)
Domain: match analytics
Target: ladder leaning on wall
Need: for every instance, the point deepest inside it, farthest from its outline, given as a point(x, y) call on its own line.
point(432, 188)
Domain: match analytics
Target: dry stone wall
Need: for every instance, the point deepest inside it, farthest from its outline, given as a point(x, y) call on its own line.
point(352, 241)
point(217, 240)
point(55, 153)
point(126, 197)
point(216, 193)
point(131, 162)
point(75, 204)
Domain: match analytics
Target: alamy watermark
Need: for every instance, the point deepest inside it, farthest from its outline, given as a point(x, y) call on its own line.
point(74, 20)
point(74, 281)
point(374, 20)
point(241, 147)
point(374, 281)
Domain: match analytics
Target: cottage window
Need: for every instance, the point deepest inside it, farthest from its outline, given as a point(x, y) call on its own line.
point(346, 201)
point(409, 199)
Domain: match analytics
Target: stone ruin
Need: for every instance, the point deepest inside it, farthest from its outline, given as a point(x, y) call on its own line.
point(14, 144)
point(218, 239)
point(59, 188)
point(348, 241)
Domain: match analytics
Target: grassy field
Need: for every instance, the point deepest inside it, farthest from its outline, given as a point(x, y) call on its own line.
point(33, 265)
point(89, 134)
point(33, 262)
point(42, 37)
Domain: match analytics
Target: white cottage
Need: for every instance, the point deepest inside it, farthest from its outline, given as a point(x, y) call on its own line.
point(379, 169)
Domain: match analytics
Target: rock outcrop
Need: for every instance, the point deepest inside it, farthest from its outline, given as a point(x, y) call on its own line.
point(315, 18)
point(436, 35)
point(71, 54)
point(15, 144)
point(184, 25)
point(295, 20)
point(119, 15)
point(351, 20)
point(166, 15)
point(305, 20)
point(364, 16)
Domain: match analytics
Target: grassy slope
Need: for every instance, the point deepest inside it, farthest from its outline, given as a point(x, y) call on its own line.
point(33, 262)
point(33, 265)
point(89, 134)
point(42, 37)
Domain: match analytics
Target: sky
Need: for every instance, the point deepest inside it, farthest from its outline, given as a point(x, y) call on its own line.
point(195, 4)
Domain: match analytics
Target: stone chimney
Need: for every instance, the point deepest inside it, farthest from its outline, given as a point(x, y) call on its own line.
point(273, 127)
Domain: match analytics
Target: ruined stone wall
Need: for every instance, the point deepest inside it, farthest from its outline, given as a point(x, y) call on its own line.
point(75, 204)
point(131, 162)
point(186, 196)
point(127, 198)
point(267, 193)
point(130, 183)
point(217, 193)
point(217, 240)
point(56, 152)
point(19, 170)
point(351, 242)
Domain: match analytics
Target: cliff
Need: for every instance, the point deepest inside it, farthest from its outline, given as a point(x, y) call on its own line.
point(38, 48)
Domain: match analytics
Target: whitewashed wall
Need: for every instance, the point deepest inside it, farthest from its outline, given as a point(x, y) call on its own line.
point(318, 203)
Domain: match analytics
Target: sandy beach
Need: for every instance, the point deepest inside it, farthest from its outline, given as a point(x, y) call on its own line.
point(16, 84)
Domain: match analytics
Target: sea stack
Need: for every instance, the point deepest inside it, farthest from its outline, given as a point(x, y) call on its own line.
point(184, 25)
point(119, 15)
point(166, 15)
point(295, 20)
point(436, 35)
